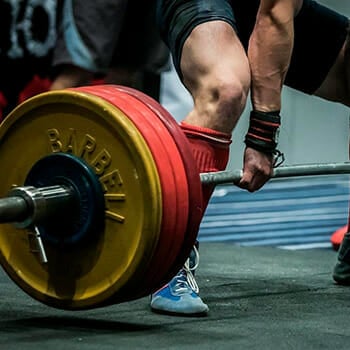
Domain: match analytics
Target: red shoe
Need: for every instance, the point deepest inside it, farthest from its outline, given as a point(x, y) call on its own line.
point(337, 237)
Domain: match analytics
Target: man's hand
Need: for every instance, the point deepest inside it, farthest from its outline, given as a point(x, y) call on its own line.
point(257, 169)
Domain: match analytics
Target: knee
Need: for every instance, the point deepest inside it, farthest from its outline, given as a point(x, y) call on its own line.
point(228, 95)
point(220, 93)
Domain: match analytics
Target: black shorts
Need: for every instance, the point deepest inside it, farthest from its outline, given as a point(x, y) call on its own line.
point(97, 35)
point(319, 33)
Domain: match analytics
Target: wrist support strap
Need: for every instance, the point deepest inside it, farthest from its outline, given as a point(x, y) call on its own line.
point(263, 131)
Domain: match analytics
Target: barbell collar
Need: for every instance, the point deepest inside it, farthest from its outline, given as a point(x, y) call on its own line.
point(234, 176)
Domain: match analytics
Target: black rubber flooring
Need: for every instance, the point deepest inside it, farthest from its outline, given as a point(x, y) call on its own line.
point(259, 298)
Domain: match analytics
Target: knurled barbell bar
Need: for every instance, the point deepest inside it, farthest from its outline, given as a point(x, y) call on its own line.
point(104, 184)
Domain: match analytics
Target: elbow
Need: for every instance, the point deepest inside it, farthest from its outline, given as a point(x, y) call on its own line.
point(276, 13)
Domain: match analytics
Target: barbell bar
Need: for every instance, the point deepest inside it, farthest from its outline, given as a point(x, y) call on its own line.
point(233, 176)
point(101, 203)
point(27, 206)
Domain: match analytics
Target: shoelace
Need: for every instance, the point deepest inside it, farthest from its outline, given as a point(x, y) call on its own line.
point(185, 278)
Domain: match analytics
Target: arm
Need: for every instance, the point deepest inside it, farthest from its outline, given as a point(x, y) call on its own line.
point(269, 52)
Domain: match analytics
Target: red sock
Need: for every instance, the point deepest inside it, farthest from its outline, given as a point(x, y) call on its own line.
point(211, 152)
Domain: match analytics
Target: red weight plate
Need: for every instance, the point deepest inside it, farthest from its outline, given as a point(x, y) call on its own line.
point(160, 276)
point(124, 102)
point(173, 180)
point(193, 180)
point(169, 244)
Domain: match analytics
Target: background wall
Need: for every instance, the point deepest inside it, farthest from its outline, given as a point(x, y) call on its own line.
point(312, 130)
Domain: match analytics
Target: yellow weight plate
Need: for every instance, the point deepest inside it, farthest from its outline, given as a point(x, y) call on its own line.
point(89, 127)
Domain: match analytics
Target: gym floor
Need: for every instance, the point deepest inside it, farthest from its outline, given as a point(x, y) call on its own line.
point(259, 298)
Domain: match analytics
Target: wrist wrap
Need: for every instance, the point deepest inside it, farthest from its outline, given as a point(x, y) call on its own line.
point(263, 131)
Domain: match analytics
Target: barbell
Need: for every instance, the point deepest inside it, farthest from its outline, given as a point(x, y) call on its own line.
point(100, 197)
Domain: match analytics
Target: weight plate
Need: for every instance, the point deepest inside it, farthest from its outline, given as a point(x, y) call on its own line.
point(193, 179)
point(173, 180)
point(104, 137)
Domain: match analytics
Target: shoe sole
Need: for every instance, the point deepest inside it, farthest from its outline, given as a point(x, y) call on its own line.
point(179, 314)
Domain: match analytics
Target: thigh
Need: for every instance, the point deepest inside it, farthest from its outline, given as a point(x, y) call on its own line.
point(178, 18)
point(213, 57)
point(320, 34)
point(215, 70)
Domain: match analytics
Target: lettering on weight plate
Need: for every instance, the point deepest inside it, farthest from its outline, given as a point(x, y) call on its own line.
point(109, 213)
point(99, 160)
point(71, 146)
point(112, 183)
point(54, 140)
point(68, 143)
point(56, 144)
point(87, 147)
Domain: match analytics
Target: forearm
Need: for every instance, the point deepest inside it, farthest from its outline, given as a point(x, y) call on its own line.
point(269, 53)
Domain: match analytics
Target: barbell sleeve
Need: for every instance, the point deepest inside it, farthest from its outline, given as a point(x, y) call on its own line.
point(13, 209)
point(25, 206)
point(233, 176)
